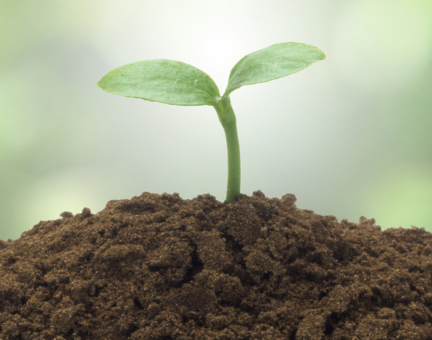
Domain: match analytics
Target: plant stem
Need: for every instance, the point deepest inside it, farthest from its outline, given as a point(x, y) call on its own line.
point(228, 120)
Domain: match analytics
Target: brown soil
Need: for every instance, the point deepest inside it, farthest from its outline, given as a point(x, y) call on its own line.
point(158, 267)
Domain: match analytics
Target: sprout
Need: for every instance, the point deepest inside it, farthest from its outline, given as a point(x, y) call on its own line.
point(176, 83)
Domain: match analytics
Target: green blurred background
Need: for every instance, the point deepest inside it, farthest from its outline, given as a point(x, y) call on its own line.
point(349, 136)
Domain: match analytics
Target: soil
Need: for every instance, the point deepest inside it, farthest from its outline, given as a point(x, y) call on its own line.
point(158, 267)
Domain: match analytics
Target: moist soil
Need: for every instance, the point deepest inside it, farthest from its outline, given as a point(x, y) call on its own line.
point(159, 267)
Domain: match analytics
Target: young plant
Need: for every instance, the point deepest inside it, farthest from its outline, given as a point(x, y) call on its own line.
point(176, 83)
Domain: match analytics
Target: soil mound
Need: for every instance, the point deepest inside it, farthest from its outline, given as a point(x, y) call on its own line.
point(158, 267)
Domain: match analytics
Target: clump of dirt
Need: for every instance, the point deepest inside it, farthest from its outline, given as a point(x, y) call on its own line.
point(158, 267)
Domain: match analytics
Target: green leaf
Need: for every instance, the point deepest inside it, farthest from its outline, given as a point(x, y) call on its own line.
point(273, 62)
point(164, 81)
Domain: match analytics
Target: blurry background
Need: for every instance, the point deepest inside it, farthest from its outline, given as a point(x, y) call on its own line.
point(349, 136)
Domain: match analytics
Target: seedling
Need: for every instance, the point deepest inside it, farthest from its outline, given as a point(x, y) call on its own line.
point(176, 83)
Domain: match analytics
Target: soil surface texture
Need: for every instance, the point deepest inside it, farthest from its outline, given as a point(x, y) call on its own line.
point(158, 267)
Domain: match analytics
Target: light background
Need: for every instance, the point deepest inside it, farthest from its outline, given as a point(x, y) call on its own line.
point(349, 136)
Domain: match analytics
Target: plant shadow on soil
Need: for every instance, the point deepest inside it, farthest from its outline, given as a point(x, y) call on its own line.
point(158, 267)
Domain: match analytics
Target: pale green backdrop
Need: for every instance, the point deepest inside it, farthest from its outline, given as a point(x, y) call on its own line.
point(349, 136)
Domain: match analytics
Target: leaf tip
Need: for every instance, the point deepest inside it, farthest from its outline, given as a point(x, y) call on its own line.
point(101, 83)
point(322, 56)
